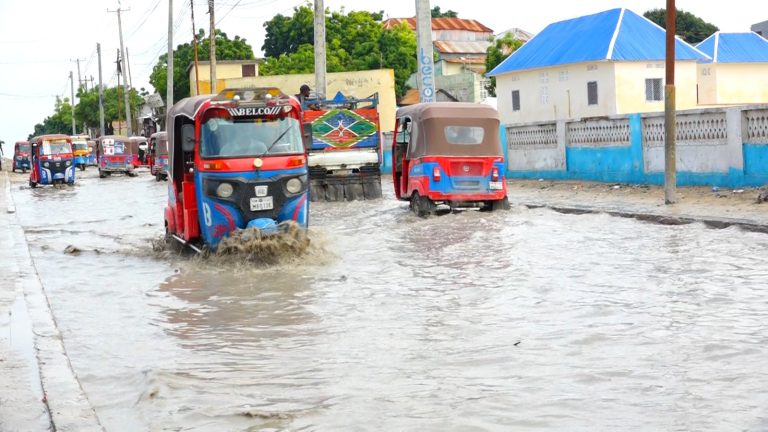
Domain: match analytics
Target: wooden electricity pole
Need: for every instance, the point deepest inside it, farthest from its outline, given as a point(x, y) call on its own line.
point(213, 47)
point(124, 69)
point(169, 69)
point(320, 83)
point(670, 153)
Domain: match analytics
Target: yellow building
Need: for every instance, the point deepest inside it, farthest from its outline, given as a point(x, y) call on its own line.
point(597, 65)
point(359, 84)
point(738, 72)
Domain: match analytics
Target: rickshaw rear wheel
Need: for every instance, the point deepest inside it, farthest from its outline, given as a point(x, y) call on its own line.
point(82, 167)
point(502, 204)
point(32, 184)
point(158, 176)
point(101, 173)
point(422, 206)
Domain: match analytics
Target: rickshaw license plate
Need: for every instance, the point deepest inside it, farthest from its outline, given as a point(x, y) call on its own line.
point(261, 203)
point(495, 185)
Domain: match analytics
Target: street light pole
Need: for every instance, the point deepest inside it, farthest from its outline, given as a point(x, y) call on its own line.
point(72, 104)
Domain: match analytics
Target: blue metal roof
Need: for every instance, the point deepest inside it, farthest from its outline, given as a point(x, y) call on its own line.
point(616, 34)
point(735, 48)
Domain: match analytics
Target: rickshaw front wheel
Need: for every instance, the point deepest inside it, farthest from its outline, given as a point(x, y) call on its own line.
point(101, 173)
point(32, 184)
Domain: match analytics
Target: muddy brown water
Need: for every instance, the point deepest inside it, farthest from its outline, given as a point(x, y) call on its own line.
point(520, 320)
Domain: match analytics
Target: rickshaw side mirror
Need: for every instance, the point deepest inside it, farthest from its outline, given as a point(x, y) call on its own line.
point(188, 137)
point(306, 135)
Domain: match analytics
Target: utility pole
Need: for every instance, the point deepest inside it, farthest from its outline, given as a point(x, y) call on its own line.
point(101, 94)
point(670, 118)
point(119, 71)
point(126, 90)
point(425, 65)
point(169, 70)
point(72, 89)
point(128, 62)
point(79, 79)
point(320, 83)
point(194, 46)
point(212, 37)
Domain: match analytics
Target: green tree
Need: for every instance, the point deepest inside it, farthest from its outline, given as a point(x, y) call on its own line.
point(499, 50)
point(354, 41)
point(87, 110)
point(58, 123)
point(183, 56)
point(687, 25)
point(436, 13)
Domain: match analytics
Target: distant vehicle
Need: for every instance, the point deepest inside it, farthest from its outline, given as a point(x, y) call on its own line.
point(448, 153)
point(80, 148)
point(52, 160)
point(138, 145)
point(91, 153)
point(157, 155)
point(21, 154)
point(237, 160)
point(113, 155)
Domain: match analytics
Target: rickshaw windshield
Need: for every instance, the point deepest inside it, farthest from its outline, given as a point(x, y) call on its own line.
point(24, 148)
point(161, 148)
point(55, 148)
point(80, 146)
point(248, 136)
point(112, 148)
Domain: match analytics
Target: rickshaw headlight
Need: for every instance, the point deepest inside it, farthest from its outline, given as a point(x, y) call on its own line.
point(46, 164)
point(18, 157)
point(293, 185)
point(69, 163)
point(225, 190)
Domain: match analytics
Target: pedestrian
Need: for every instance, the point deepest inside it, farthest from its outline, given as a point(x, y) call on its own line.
point(303, 96)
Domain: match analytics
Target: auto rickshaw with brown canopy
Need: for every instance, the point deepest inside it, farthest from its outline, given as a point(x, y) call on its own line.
point(448, 153)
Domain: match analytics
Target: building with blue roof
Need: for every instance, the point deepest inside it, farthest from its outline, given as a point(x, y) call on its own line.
point(603, 64)
point(737, 72)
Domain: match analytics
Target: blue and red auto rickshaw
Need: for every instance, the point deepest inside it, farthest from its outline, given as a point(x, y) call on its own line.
point(114, 155)
point(236, 160)
point(80, 149)
point(448, 153)
point(21, 154)
point(157, 155)
point(52, 160)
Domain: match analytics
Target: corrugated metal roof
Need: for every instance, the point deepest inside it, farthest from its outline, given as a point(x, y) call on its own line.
point(465, 60)
point(442, 24)
point(517, 33)
point(735, 48)
point(462, 47)
point(616, 34)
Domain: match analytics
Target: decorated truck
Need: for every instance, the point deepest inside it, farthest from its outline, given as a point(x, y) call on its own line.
point(344, 155)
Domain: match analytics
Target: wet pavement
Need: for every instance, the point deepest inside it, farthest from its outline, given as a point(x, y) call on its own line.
point(523, 320)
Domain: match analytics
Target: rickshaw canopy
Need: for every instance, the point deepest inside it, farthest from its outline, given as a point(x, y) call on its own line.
point(452, 129)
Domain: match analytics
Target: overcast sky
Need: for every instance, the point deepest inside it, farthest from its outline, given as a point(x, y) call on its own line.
point(40, 40)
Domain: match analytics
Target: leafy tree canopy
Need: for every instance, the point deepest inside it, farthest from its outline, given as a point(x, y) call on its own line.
point(87, 110)
point(499, 50)
point(354, 41)
point(183, 55)
point(687, 25)
point(437, 13)
point(58, 123)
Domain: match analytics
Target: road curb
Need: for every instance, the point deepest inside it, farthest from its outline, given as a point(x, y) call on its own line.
point(11, 207)
point(67, 403)
point(658, 218)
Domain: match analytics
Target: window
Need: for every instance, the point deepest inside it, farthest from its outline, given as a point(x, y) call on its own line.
point(592, 93)
point(544, 77)
point(544, 95)
point(563, 75)
point(515, 100)
point(653, 91)
point(464, 135)
point(249, 70)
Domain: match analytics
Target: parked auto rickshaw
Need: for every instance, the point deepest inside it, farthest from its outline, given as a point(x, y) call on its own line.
point(80, 149)
point(113, 155)
point(52, 160)
point(157, 155)
point(91, 153)
point(138, 146)
point(237, 160)
point(448, 153)
point(21, 154)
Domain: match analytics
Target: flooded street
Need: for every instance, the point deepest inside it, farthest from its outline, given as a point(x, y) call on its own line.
point(519, 320)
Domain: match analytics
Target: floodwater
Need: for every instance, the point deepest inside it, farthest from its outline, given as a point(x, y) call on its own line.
point(522, 320)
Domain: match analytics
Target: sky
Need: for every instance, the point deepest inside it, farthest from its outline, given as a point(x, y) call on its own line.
point(41, 40)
